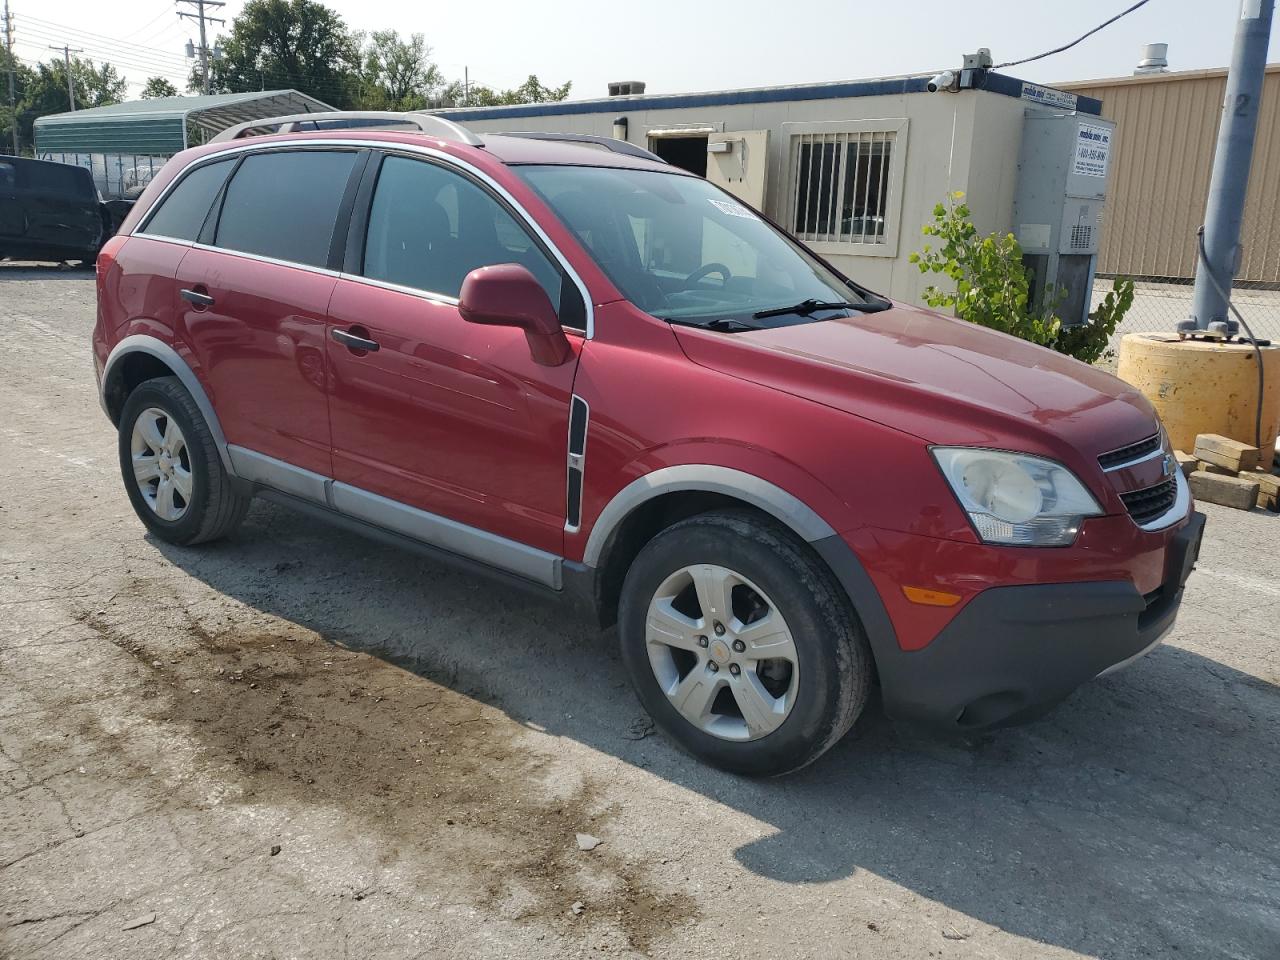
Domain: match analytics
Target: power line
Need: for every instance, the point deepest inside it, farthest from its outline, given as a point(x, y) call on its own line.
point(176, 65)
point(1068, 46)
point(47, 25)
point(164, 12)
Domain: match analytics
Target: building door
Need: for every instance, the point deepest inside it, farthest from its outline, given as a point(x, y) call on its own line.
point(687, 153)
point(738, 162)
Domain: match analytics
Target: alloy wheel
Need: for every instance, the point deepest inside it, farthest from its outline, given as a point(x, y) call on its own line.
point(722, 652)
point(161, 464)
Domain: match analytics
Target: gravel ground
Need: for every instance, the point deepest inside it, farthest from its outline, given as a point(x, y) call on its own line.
point(300, 744)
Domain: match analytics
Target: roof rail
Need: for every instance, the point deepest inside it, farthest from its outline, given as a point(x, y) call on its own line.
point(617, 146)
point(345, 119)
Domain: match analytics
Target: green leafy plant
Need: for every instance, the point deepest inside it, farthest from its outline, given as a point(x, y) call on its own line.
point(990, 286)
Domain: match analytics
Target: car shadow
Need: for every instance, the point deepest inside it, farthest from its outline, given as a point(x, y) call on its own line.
point(1138, 819)
point(30, 270)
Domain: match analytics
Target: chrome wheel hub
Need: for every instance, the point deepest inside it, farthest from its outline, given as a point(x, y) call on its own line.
point(722, 652)
point(161, 464)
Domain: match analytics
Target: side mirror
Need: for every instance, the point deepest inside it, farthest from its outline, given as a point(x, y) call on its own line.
point(507, 295)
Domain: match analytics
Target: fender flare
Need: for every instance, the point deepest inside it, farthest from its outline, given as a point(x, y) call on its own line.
point(785, 507)
point(142, 343)
point(769, 497)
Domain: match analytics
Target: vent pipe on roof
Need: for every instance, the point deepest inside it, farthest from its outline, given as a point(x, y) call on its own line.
point(1155, 59)
point(626, 88)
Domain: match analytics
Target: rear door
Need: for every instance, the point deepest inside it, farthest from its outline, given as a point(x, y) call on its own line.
point(255, 294)
point(446, 416)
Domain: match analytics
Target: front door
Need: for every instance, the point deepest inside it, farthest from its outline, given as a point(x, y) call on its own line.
point(254, 312)
point(452, 420)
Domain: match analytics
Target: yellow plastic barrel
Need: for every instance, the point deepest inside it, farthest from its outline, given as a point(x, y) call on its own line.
point(1202, 386)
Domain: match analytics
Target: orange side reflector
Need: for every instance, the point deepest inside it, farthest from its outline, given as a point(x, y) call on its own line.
point(931, 598)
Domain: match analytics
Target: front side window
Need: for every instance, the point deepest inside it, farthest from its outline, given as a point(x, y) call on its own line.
point(284, 205)
point(686, 251)
point(429, 227)
point(182, 212)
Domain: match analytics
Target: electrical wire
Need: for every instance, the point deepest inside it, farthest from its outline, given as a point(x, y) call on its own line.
point(1068, 46)
point(1253, 341)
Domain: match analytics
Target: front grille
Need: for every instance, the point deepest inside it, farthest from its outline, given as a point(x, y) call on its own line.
point(1133, 451)
point(1151, 503)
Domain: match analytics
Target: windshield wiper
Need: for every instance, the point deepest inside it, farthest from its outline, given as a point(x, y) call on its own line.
point(723, 324)
point(806, 307)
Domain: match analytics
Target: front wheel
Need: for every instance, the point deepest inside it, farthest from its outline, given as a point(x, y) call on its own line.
point(740, 644)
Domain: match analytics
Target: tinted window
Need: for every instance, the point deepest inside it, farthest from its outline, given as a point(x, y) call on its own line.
point(284, 205)
point(430, 227)
point(62, 179)
point(182, 212)
point(7, 178)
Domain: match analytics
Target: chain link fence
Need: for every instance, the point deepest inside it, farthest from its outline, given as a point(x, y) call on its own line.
point(1158, 305)
point(116, 175)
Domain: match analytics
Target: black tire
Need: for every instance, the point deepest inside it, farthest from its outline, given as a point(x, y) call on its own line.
point(834, 660)
point(215, 508)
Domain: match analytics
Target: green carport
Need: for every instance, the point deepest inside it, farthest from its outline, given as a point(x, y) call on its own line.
point(126, 143)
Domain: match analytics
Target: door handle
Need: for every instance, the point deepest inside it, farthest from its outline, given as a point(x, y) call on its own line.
point(197, 298)
point(353, 341)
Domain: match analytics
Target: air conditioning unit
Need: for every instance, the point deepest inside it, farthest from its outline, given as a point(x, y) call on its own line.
point(1063, 169)
point(626, 88)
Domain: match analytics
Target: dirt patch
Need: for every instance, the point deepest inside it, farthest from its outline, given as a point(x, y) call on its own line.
point(446, 783)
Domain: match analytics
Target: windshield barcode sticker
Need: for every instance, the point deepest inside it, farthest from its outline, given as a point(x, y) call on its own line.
point(732, 209)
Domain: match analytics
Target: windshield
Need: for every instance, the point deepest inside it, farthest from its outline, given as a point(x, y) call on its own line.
point(686, 251)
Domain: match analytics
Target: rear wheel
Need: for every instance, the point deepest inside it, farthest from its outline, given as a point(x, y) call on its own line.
point(171, 469)
point(740, 644)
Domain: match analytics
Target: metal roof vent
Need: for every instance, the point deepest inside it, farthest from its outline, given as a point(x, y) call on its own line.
point(1155, 59)
point(626, 88)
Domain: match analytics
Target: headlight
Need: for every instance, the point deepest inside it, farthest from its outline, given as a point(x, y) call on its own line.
point(1016, 498)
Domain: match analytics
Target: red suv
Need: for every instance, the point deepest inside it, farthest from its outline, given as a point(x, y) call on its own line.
point(561, 361)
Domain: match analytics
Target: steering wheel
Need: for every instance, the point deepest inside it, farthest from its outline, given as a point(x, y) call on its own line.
point(706, 270)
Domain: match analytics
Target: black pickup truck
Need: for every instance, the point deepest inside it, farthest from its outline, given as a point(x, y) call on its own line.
point(50, 211)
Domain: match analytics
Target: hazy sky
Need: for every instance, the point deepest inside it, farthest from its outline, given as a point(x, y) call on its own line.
point(678, 45)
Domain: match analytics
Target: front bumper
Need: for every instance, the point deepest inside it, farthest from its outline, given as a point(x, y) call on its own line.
point(1012, 653)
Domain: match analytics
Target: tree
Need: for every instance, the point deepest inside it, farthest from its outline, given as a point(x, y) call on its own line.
point(531, 91)
point(290, 43)
point(158, 87)
point(46, 91)
point(22, 75)
point(397, 74)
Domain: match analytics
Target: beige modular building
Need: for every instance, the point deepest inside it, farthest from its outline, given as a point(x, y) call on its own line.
point(852, 168)
point(1166, 130)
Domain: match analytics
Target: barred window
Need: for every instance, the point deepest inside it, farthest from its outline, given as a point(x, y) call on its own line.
point(840, 184)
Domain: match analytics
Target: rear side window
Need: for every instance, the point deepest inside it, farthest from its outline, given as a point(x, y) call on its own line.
point(285, 205)
point(182, 212)
point(61, 179)
point(8, 179)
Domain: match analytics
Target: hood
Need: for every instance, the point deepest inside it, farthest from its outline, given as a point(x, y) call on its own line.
point(944, 380)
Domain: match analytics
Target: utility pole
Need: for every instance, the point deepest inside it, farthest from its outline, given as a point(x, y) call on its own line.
point(1224, 212)
point(202, 18)
point(8, 47)
point(66, 58)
